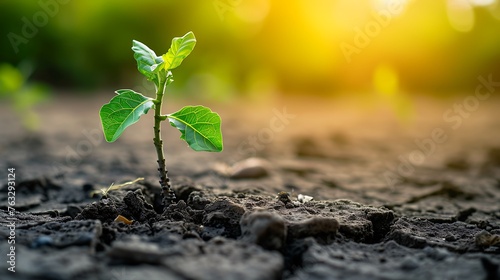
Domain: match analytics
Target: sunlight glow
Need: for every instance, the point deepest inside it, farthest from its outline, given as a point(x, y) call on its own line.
point(481, 2)
point(252, 10)
point(460, 15)
point(397, 5)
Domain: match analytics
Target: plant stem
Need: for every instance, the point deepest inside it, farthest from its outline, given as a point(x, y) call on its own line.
point(167, 192)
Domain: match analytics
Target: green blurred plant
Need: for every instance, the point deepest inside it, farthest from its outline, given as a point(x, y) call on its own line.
point(199, 126)
point(21, 94)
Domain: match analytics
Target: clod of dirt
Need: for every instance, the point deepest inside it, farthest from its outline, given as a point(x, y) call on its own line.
point(418, 233)
point(316, 227)
point(138, 207)
point(130, 204)
point(266, 229)
point(360, 222)
point(486, 239)
point(222, 218)
point(104, 210)
point(197, 200)
point(381, 221)
point(355, 221)
point(483, 220)
point(250, 168)
point(180, 211)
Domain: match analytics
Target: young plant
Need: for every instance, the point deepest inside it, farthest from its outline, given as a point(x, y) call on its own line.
point(199, 126)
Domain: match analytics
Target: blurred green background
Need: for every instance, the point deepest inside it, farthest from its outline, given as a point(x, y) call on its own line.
point(258, 47)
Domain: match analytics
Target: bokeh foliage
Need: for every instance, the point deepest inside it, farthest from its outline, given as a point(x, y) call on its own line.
point(258, 45)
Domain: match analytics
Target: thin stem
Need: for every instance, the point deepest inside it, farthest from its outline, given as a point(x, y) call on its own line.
point(167, 192)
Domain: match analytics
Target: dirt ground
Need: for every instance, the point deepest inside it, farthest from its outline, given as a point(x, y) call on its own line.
point(304, 189)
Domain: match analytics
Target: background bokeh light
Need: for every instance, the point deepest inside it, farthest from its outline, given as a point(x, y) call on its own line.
point(258, 47)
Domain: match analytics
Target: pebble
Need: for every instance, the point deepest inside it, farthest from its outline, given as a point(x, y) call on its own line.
point(251, 168)
point(304, 198)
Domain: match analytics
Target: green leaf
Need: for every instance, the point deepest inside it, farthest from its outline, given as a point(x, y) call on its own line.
point(148, 63)
point(200, 128)
point(180, 48)
point(122, 111)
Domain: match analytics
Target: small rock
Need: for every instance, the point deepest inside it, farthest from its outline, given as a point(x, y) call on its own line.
point(316, 226)
point(266, 229)
point(251, 168)
point(418, 233)
point(304, 198)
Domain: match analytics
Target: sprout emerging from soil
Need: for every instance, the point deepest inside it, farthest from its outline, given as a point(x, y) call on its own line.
point(199, 126)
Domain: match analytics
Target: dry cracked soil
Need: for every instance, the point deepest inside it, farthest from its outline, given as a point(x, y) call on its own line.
point(303, 190)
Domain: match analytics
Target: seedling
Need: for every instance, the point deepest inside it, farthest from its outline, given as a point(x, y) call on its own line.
point(199, 126)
